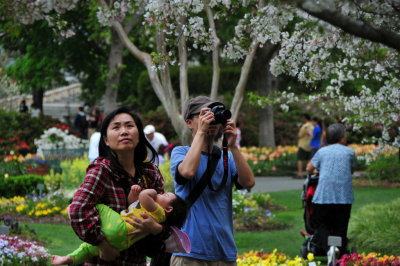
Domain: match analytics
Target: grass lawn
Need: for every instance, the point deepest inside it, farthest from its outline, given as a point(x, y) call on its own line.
point(289, 241)
point(61, 239)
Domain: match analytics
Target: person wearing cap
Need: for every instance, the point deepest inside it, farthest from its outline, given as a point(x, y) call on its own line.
point(209, 224)
point(156, 139)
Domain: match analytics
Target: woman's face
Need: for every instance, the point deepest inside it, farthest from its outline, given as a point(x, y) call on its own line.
point(122, 133)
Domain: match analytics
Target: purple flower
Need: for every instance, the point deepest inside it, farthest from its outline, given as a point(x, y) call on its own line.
point(246, 209)
point(267, 213)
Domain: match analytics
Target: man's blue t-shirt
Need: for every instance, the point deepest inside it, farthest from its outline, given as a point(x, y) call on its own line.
point(209, 223)
point(316, 138)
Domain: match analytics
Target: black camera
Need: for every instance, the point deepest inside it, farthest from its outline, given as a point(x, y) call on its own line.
point(221, 115)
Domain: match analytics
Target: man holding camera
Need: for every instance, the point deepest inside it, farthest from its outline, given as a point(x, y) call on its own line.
point(209, 224)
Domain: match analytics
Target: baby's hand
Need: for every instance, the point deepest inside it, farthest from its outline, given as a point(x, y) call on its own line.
point(134, 193)
point(135, 189)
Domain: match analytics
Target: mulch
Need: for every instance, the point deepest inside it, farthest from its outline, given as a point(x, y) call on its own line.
point(367, 183)
point(56, 219)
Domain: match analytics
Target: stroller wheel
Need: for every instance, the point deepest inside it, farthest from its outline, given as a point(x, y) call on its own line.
point(303, 251)
point(353, 250)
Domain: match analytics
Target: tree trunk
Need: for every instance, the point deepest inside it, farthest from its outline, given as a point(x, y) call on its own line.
point(114, 73)
point(244, 75)
point(266, 84)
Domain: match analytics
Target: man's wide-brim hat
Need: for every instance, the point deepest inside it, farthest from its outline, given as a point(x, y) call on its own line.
point(194, 106)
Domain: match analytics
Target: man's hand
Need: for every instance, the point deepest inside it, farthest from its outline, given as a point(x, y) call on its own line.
point(205, 119)
point(144, 226)
point(230, 133)
point(107, 252)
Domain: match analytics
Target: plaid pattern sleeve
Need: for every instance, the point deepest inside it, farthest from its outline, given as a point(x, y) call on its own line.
point(99, 186)
point(103, 185)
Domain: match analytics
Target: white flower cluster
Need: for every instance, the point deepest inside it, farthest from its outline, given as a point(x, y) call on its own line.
point(29, 11)
point(263, 26)
point(56, 138)
point(115, 13)
point(322, 52)
point(8, 87)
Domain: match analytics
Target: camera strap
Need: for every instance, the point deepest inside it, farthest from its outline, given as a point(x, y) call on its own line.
point(225, 162)
point(213, 159)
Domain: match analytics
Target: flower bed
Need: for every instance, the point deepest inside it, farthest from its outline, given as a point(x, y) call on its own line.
point(259, 258)
point(268, 162)
point(32, 207)
point(369, 259)
point(14, 251)
point(282, 160)
point(254, 212)
point(58, 141)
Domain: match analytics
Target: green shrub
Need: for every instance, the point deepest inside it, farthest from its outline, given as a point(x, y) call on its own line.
point(11, 168)
point(72, 174)
point(375, 227)
point(384, 168)
point(166, 173)
point(282, 166)
point(20, 185)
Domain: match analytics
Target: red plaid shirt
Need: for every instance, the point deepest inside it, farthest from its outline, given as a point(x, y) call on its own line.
point(103, 185)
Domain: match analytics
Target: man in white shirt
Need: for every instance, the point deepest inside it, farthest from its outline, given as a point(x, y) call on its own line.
point(156, 139)
point(94, 145)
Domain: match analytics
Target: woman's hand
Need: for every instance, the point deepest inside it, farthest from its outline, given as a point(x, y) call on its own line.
point(107, 252)
point(144, 226)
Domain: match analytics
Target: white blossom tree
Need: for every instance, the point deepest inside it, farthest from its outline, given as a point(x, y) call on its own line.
point(360, 44)
point(178, 27)
point(310, 49)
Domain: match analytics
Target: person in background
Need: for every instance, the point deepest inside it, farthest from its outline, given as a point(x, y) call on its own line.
point(239, 134)
point(122, 163)
point(334, 195)
point(35, 112)
point(93, 120)
point(94, 144)
point(304, 149)
point(81, 123)
point(315, 142)
point(209, 223)
point(23, 108)
point(324, 125)
point(156, 139)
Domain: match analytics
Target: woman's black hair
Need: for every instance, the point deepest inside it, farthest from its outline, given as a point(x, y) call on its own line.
point(178, 214)
point(140, 153)
point(335, 133)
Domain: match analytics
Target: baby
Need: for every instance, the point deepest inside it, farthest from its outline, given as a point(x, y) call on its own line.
point(165, 208)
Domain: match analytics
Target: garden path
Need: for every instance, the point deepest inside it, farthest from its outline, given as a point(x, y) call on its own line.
point(281, 183)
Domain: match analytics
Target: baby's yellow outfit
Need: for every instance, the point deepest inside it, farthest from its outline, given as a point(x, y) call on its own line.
point(116, 229)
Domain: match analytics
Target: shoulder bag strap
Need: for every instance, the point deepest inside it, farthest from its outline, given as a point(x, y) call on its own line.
point(201, 185)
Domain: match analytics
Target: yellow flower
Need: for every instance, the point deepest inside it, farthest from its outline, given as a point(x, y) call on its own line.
point(310, 256)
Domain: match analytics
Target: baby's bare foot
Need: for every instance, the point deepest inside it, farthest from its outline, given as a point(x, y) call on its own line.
point(60, 260)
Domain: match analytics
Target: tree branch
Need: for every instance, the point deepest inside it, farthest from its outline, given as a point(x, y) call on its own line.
point(183, 65)
point(136, 17)
point(215, 52)
point(349, 25)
